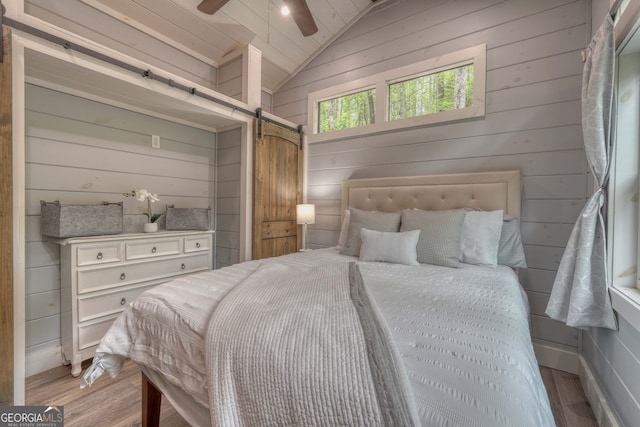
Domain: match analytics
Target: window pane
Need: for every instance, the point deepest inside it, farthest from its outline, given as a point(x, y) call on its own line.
point(434, 93)
point(349, 111)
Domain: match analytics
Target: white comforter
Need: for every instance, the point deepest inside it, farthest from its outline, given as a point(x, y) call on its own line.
point(293, 346)
point(463, 335)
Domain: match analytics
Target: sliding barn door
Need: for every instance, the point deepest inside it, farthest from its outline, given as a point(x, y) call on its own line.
point(6, 226)
point(277, 189)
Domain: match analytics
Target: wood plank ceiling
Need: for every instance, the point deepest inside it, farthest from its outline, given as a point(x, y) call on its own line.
point(213, 38)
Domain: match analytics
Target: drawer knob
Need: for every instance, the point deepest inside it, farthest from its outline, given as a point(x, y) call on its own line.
point(123, 276)
point(123, 301)
point(154, 250)
point(197, 244)
point(99, 256)
point(183, 266)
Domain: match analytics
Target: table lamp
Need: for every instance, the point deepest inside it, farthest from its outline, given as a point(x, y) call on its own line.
point(305, 214)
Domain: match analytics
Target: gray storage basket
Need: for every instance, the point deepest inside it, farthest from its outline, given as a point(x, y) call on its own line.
point(188, 218)
point(57, 220)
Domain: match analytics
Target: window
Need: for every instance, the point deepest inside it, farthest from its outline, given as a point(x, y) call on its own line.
point(347, 111)
point(449, 87)
point(623, 218)
point(433, 93)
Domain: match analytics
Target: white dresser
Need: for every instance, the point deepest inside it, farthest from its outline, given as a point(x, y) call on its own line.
point(100, 275)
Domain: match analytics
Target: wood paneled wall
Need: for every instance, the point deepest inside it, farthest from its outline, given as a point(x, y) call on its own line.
point(613, 357)
point(88, 22)
point(82, 151)
point(230, 78)
point(532, 121)
point(228, 198)
point(230, 83)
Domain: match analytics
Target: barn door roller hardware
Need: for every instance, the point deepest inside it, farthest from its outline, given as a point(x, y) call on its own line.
point(149, 74)
point(261, 118)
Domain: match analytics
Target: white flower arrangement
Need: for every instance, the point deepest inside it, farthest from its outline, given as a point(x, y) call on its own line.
point(142, 195)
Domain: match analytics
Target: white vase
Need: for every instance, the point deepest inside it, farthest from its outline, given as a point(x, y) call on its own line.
point(150, 227)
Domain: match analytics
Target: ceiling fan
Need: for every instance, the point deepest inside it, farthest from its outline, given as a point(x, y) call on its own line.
point(298, 9)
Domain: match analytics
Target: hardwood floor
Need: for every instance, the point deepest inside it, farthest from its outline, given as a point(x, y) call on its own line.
point(116, 402)
point(568, 401)
point(108, 402)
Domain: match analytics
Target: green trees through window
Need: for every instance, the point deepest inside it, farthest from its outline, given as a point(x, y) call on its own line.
point(349, 111)
point(442, 89)
point(432, 93)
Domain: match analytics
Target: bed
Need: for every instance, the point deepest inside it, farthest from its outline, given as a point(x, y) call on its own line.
point(431, 345)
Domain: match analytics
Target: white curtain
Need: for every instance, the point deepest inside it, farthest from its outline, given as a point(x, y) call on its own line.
point(580, 296)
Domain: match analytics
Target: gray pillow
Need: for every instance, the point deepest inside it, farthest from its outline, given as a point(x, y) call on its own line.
point(382, 246)
point(440, 233)
point(510, 250)
point(359, 219)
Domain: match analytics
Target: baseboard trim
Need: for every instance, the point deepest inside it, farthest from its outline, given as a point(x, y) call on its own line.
point(556, 358)
point(597, 399)
point(43, 359)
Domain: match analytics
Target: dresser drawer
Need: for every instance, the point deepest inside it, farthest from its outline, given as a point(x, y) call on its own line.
point(197, 244)
point(92, 306)
point(139, 250)
point(99, 254)
point(96, 279)
point(91, 334)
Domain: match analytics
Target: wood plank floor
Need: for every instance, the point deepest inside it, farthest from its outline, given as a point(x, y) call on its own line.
point(116, 402)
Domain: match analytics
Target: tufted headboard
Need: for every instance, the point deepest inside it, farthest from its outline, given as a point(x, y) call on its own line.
point(483, 190)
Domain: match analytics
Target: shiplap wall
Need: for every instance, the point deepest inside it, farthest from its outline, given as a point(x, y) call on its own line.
point(614, 359)
point(82, 151)
point(532, 120)
point(83, 20)
point(230, 83)
point(228, 198)
point(230, 78)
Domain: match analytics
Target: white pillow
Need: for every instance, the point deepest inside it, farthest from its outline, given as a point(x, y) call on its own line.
point(344, 231)
point(395, 247)
point(378, 221)
point(481, 237)
point(510, 251)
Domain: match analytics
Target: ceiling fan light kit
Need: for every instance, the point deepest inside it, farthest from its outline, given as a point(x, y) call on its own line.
point(297, 8)
point(302, 16)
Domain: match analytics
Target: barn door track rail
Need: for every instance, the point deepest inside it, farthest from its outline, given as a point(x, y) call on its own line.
point(147, 73)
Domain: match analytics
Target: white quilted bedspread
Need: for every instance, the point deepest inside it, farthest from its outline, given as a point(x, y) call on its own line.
point(463, 336)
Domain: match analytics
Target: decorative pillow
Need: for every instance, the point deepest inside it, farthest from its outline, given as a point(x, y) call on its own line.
point(510, 250)
point(359, 219)
point(440, 231)
point(381, 246)
point(481, 237)
point(342, 239)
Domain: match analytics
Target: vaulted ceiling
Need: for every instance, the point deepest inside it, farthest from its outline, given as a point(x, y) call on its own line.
point(214, 38)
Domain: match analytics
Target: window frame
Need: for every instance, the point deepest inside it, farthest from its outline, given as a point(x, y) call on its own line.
point(424, 74)
point(475, 55)
point(623, 219)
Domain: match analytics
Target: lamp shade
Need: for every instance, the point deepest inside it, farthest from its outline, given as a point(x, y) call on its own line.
point(306, 214)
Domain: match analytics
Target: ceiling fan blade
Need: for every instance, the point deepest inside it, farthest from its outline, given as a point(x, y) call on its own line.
point(302, 16)
point(211, 6)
